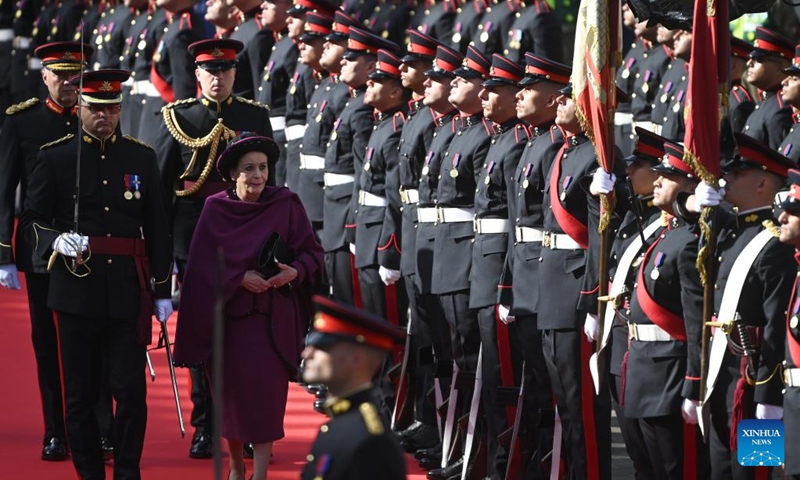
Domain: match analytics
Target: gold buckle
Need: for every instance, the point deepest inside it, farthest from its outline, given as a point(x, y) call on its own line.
point(439, 215)
point(632, 332)
point(403, 195)
point(476, 225)
point(546, 242)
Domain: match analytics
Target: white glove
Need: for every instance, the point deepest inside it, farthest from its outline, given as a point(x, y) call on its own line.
point(602, 182)
point(388, 275)
point(503, 312)
point(765, 411)
point(353, 248)
point(162, 309)
point(9, 278)
point(590, 327)
point(70, 244)
point(689, 411)
point(707, 196)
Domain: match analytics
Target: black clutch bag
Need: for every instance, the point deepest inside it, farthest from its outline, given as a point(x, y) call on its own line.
point(272, 253)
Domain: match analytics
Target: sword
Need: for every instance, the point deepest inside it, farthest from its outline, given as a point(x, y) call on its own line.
point(164, 337)
point(150, 367)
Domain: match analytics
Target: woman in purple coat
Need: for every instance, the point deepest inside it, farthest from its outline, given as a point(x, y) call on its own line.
point(265, 318)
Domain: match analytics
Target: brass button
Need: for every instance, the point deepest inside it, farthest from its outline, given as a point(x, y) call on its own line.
point(110, 261)
point(108, 235)
point(105, 208)
point(310, 458)
point(105, 182)
point(323, 429)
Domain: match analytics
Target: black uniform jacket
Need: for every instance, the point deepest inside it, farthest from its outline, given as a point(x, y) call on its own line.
point(108, 169)
point(110, 34)
point(654, 66)
point(276, 76)
point(173, 66)
point(762, 303)
point(258, 42)
point(674, 80)
point(346, 148)
point(356, 443)
point(661, 374)
point(491, 201)
point(770, 121)
point(435, 20)
point(741, 106)
point(378, 228)
point(28, 126)
point(443, 134)
point(790, 146)
point(461, 166)
point(536, 29)
point(525, 210)
point(465, 25)
point(414, 144)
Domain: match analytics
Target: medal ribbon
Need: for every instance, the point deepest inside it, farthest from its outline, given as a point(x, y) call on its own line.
point(679, 97)
point(787, 149)
point(429, 157)
point(647, 74)
point(456, 160)
point(127, 182)
point(668, 87)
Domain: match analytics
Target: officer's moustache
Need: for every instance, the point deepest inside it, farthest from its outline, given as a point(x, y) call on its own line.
point(677, 14)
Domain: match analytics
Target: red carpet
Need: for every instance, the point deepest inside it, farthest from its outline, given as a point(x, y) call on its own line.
point(165, 452)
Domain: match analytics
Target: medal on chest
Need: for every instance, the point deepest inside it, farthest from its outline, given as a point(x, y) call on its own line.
point(657, 262)
point(564, 185)
point(427, 169)
point(456, 161)
point(318, 118)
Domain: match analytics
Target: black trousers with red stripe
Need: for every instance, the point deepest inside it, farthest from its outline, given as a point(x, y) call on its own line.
point(585, 417)
point(90, 346)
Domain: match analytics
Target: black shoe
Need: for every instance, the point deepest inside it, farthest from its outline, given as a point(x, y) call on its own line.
point(410, 431)
point(202, 446)
point(247, 450)
point(430, 463)
point(428, 452)
point(447, 472)
point(54, 450)
point(425, 436)
point(108, 448)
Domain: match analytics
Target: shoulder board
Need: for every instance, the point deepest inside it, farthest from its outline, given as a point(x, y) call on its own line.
point(16, 108)
point(371, 418)
point(138, 142)
point(252, 102)
point(63, 139)
point(773, 229)
point(185, 101)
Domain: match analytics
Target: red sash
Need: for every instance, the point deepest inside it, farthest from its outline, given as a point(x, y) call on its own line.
point(671, 323)
point(163, 87)
point(571, 225)
point(791, 342)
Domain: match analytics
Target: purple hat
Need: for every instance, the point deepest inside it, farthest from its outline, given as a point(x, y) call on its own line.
point(243, 143)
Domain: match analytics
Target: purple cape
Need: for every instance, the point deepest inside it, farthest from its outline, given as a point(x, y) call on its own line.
point(239, 229)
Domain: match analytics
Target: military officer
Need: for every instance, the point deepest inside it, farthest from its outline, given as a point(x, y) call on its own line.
point(345, 350)
point(657, 61)
point(6, 47)
point(258, 40)
point(170, 76)
point(772, 118)
point(790, 234)
point(30, 125)
point(196, 130)
point(23, 85)
point(415, 141)
point(672, 124)
point(495, 25)
point(347, 147)
point(465, 25)
point(627, 75)
point(536, 29)
point(673, 84)
point(111, 32)
point(741, 102)
point(100, 285)
point(437, 91)
point(754, 277)
point(434, 19)
point(224, 16)
point(389, 19)
point(790, 94)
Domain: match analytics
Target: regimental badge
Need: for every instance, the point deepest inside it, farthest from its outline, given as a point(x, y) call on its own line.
point(68, 56)
point(106, 87)
point(217, 52)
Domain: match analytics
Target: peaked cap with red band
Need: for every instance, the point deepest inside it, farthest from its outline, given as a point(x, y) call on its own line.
point(101, 86)
point(215, 53)
point(750, 153)
point(540, 69)
point(672, 162)
point(387, 66)
point(336, 322)
point(320, 6)
point(362, 42)
point(342, 23)
point(770, 43)
point(475, 65)
point(740, 48)
point(649, 147)
point(503, 72)
point(420, 46)
point(794, 68)
point(64, 56)
point(792, 201)
point(317, 26)
point(447, 61)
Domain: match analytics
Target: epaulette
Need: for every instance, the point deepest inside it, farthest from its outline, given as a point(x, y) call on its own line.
point(16, 108)
point(371, 418)
point(139, 142)
point(185, 101)
point(773, 229)
point(252, 102)
point(63, 139)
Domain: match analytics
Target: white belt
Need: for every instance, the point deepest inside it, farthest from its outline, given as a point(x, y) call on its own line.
point(409, 196)
point(278, 123)
point(333, 179)
point(621, 118)
point(645, 125)
point(128, 82)
point(427, 215)
point(22, 42)
point(648, 333)
point(528, 234)
point(6, 34)
point(295, 132)
point(455, 215)
point(369, 200)
point(657, 128)
point(311, 162)
point(144, 87)
point(490, 225)
point(559, 241)
point(791, 377)
point(34, 64)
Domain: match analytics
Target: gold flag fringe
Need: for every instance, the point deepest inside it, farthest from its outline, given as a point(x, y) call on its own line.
point(705, 176)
